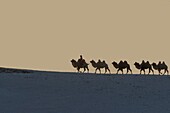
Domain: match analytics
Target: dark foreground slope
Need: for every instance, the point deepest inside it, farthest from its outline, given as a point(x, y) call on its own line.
point(13, 70)
point(43, 92)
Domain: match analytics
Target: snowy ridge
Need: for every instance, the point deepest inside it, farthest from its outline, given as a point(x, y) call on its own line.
point(68, 92)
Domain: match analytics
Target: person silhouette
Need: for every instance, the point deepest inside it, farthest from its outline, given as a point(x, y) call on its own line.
point(81, 60)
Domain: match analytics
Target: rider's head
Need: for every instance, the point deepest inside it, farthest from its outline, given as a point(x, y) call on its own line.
point(81, 56)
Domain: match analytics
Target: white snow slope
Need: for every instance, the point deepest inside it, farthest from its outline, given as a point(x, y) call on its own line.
point(45, 92)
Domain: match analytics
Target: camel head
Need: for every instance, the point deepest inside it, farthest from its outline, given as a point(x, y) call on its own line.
point(73, 60)
point(136, 63)
point(92, 61)
point(74, 63)
point(115, 64)
point(94, 64)
point(154, 64)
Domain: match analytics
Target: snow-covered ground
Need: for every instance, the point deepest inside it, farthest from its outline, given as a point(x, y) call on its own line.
point(45, 92)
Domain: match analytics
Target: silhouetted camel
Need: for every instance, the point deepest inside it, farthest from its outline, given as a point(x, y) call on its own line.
point(122, 65)
point(79, 65)
point(99, 65)
point(144, 65)
point(161, 66)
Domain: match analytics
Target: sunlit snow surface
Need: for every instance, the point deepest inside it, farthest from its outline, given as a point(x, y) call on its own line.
point(64, 92)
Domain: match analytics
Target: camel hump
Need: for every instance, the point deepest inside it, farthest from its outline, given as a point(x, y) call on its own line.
point(125, 62)
point(79, 60)
point(143, 61)
point(99, 62)
point(83, 60)
point(163, 63)
point(121, 62)
point(113, 62)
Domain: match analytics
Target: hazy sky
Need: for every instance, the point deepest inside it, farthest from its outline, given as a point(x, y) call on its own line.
point(46, 34)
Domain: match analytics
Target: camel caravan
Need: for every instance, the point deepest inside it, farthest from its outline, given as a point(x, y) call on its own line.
point(142, 67)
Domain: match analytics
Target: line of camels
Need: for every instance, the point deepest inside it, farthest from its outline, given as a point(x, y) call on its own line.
point(81, 63)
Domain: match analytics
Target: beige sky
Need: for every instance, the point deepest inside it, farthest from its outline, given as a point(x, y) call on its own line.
point(46, 34)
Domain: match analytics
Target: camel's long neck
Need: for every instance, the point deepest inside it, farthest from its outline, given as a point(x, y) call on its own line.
point(94, 64)
point(138, 66)
point(116, 65)
point(155, 67)
point(74, 64)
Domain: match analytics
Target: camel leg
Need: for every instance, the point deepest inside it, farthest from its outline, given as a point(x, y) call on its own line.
point(100, 70)
point(130, 71)
point(140, 71)
point(164, 72)
point(105, 71)
point(159, 71)
point(167, 71)
point(84, 69)
point(78, 69)
point(122, 71)
point(149, 71)
point(87, 69)
point(109, 70)
point(127, 71)
point(117, 71)
point(96, 70)
point(152, 71)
